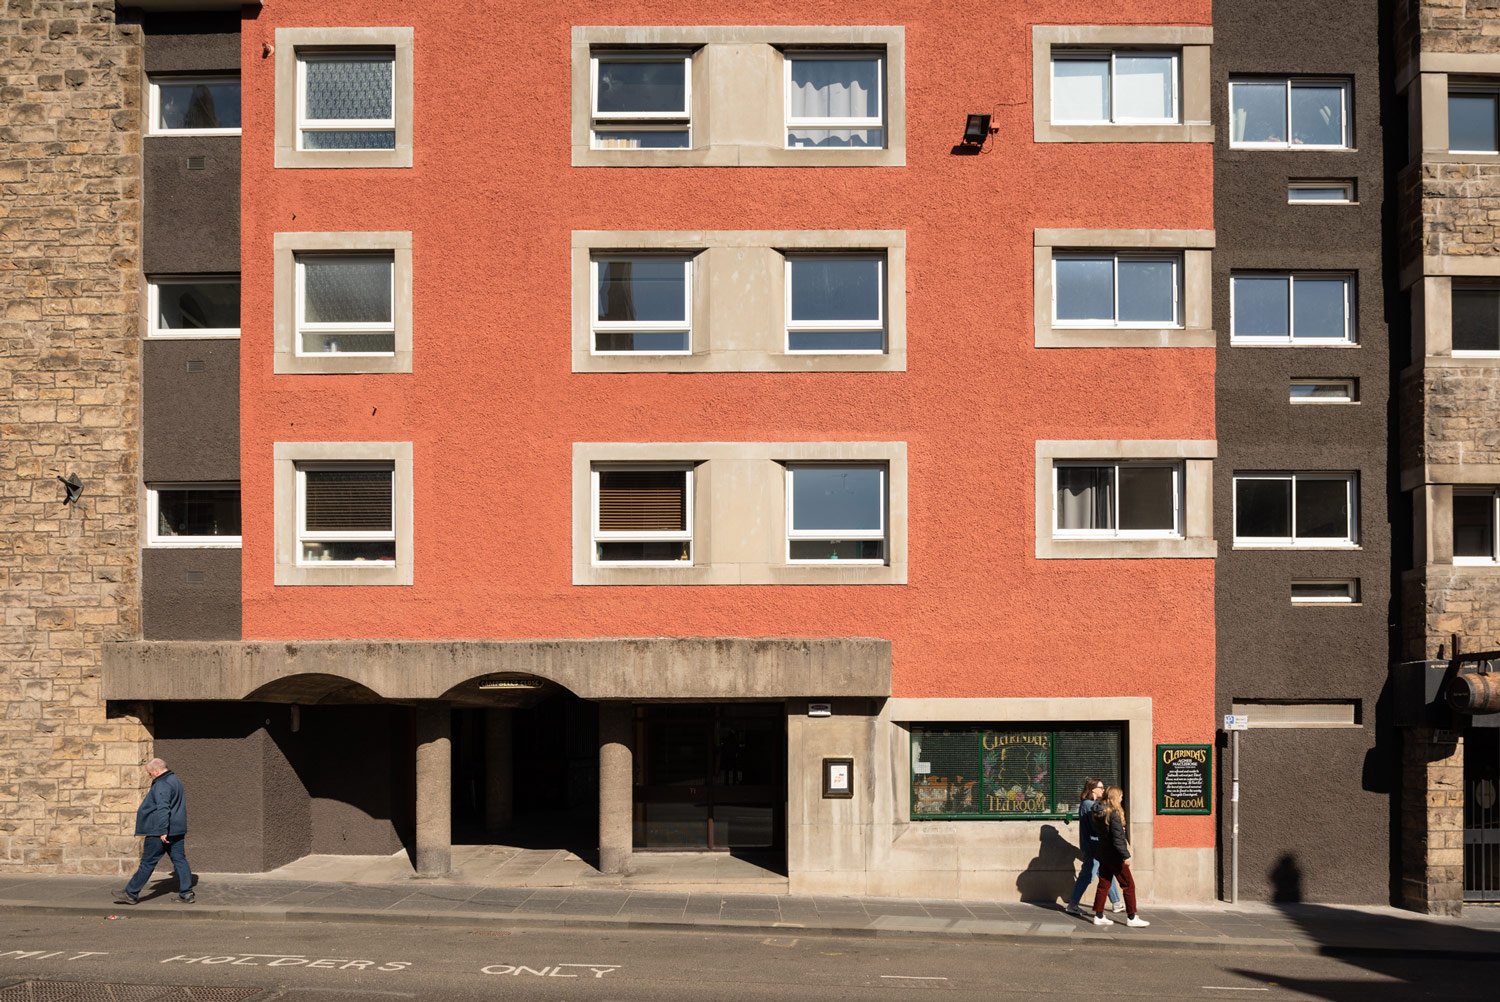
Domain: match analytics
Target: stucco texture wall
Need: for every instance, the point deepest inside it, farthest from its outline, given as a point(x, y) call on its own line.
point(493, 409)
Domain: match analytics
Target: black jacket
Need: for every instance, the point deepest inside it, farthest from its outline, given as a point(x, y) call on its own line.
point(1113, 848)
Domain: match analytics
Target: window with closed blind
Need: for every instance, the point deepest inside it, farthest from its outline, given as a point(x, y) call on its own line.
point(643, 514)
point(989, 772)
point(345, 513)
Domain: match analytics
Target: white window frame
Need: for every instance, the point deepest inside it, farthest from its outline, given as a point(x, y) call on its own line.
point(1349, 386)
point(1290, 83)
point(1469, 560)
point(834, 124)
point(883, 533)
point(597, 535)
point(1459, 285)
point(597, 326)
point(153, 113)
point(1290, 338)
point(1346, 186)
point(792, 326)
point(646, 121)
point(1115, 257)
point(302, 326)
point(302, 468)
point(1176, 532)
point(155, 540)
point(156, 332)
point(1349, 596)
point(1351, 507)
point(1487, 90)
point(342, 54)
point(1109, 55)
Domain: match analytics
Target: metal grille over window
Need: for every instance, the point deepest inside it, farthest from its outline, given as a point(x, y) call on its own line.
point(974, 771)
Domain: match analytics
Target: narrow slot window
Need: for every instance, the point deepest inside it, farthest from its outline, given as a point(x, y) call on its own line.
point(1324, 391)
point(1320, 193)
point(1340, 591)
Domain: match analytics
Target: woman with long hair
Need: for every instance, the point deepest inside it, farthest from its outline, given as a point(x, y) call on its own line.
point(1114, 857)
point(1088, 847)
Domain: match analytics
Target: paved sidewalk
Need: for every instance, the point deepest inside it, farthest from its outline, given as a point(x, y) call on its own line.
point(1247, 928)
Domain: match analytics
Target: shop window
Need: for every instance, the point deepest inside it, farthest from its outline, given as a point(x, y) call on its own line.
point(836, 513)
point(985, 772)
point(643, 515)
point(1294, 114)
point(195, 106)
point(1291, 309)
point(203, 514)
point(1295, 510)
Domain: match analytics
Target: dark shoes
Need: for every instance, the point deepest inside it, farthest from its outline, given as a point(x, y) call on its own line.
point(186, 899)
point(124, 897)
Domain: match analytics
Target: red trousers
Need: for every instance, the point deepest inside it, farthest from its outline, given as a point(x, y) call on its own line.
point(1115, 872)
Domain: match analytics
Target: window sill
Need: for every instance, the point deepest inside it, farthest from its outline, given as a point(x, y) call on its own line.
point(196, 543)
point(1240, 544)
point(1125, 337)
point(724, 155)
point(1165, 548)
point(1235, 342)
point(1173, 132)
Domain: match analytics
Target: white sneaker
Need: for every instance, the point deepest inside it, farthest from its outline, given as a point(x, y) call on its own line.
point(1101, 920)
point(1072, 909)
point(1117, 907)
point(1136, 922)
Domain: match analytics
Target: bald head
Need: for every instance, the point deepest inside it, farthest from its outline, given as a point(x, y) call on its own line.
point(156, 767)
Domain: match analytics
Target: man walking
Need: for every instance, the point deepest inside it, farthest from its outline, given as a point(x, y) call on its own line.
point(162, 819)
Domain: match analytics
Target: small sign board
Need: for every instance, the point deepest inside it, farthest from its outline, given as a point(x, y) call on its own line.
point(1184, 779)
point(820, 709)
point(1236, 722)
point(838, 778)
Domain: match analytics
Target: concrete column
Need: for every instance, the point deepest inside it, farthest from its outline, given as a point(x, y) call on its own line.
point(616, 783)
point(499, 802)
point(1432, 822)
point(434, 789)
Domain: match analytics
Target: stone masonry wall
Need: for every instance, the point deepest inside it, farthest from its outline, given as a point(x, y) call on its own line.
point(70, 191)
point(1460, 25)
point(1460, 208)
point(1463, 416)
point(1432, 834)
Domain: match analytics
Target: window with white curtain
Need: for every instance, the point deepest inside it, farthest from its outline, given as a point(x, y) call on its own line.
point(346, 99)
point(1101, 87)
point(835, 100)
point(1111, 500)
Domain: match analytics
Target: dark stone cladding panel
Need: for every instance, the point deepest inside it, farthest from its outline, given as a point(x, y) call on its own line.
point(190, 417)
point(261, 794)
point(191, 221)
point(190, 594)
point(192, 43)
point(1311, 788)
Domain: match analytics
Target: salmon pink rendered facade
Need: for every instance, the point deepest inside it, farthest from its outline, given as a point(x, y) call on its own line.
point(658, 431)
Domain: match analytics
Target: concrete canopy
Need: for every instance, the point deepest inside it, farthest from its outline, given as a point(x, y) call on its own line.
point(622, 668)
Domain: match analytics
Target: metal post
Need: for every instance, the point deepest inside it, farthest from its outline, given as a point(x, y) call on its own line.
point(1234, 818)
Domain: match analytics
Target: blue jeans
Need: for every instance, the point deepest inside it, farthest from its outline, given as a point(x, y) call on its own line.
point(1087, 874)
point(151, 854)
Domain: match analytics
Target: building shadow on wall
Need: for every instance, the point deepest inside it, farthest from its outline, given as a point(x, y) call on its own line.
point(1050, 874)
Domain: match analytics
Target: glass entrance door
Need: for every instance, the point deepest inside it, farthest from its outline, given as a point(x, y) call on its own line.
point(710, 776)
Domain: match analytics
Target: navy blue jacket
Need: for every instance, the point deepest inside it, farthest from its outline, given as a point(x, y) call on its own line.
point(1088, 835)
point(163, 810)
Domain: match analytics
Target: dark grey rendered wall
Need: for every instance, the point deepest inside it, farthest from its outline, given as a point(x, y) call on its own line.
point(190, 413)
point(261, 795)
point(1314, 802)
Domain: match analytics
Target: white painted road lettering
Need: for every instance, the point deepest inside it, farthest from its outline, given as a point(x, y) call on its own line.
point(552, 970)
point(53, 955)
point(292, 960)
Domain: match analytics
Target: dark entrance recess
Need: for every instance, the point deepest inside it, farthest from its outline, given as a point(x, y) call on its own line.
point(1482, 814)
point(711, 776)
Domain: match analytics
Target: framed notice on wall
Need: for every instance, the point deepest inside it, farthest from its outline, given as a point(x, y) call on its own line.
point(838, 778)
point(1184, 779)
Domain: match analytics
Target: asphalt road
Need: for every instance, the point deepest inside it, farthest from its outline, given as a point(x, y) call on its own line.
point(336, 962)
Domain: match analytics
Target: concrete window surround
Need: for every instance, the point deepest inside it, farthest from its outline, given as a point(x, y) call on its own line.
point(1195, 100)
point(284, 486)
point(739, 513)
point(288, 41)
point(1197, 540)
point(1432, 312)
point(1196, 308)
point(286, 246)
point(1432, 524)
point(738, 295)
point(1428, 102)
point(738, 94)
